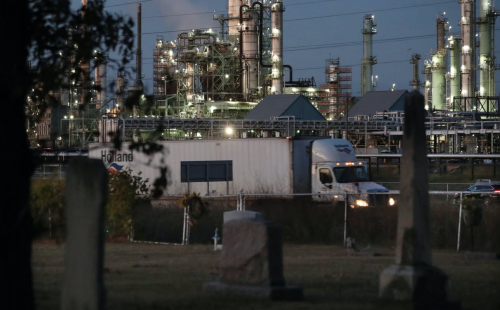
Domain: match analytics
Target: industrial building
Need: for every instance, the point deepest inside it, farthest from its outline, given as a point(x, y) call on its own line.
point(206, 78)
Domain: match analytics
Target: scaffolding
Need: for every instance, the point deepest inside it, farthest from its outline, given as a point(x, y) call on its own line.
point(338, 89)
point(208, 70)
point(164, 65)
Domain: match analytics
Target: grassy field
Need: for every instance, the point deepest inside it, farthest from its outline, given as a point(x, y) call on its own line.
point(168, 277)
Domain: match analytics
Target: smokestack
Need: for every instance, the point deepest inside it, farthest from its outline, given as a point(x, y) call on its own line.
point(415, 58)
point(368, 60)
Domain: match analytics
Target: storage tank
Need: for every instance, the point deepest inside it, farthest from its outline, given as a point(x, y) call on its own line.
point(438, 81)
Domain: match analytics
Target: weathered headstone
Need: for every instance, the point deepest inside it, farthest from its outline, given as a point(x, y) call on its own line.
point(240, 215)
point(252, 260)
point(413, 278)
point(86, 195)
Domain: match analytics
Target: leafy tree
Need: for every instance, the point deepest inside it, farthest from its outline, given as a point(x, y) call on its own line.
point(38, 31)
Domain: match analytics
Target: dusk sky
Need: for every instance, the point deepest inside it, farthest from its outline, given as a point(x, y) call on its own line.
point(315, 30)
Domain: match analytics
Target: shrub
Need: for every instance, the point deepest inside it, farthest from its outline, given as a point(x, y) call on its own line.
point(47, 203)
point(126, 191)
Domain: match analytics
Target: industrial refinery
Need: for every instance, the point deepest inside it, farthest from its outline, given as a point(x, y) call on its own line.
point(205, 82)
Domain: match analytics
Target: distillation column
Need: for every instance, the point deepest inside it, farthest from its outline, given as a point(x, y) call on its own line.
point(85, 66)
point(120, 90)
point(368, 60)
point(250, 51)
point(438, 67)
point(468, 47)
point(277, 10)
point(486, 77)
point(233, 7)
point(415, 58)
point(454, 74)
point(427, 83)
point(100, 78)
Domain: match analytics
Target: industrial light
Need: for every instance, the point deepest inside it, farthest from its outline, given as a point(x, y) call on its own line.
point(392, 201)
point(229, 130)
point(361, 203)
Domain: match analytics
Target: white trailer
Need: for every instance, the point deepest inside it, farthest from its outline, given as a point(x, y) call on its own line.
point(254, 166)
point(258, 165)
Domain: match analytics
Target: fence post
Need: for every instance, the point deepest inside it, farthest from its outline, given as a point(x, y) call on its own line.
point(459, 222)
point(345, 220)
point(50, 224)
point(188, 227)
point(184, 227)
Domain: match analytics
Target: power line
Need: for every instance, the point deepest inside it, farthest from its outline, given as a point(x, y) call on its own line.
point(371, 11)
point(355, 65)
point(115, 5)
point(353, 43)
point(309, 2)
point(184, 14)
point(313, 17)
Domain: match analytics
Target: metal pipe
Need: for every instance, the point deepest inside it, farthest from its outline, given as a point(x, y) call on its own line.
point(291, 72)
point(459, 222)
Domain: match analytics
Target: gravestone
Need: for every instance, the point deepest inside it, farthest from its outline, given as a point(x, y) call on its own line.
point(413, 279)
point(86, 195)
point(252, 260)
point(239, 215)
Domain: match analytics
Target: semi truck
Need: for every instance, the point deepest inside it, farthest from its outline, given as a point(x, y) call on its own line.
point(327, 168)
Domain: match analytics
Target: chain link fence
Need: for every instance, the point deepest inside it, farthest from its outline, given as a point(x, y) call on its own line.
point(328, 222)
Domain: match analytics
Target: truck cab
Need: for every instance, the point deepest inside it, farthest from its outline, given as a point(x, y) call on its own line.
point(335, 173)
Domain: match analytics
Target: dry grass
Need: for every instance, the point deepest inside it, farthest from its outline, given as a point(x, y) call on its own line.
point(307, 222)
point(140, 276)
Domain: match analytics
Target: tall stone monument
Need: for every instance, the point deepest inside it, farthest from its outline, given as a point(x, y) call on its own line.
point(86, 196)
point(413, 279)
